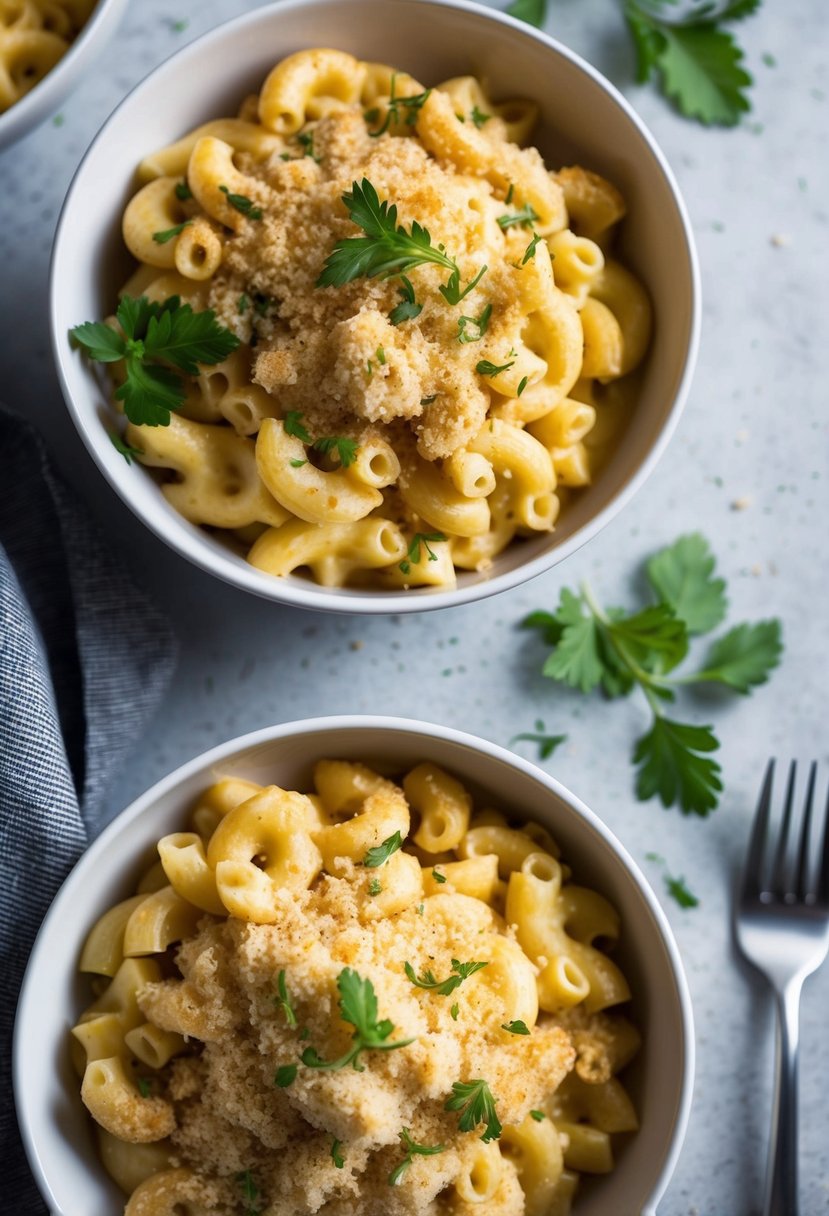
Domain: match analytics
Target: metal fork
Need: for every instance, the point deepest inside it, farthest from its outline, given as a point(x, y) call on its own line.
point(782, 927)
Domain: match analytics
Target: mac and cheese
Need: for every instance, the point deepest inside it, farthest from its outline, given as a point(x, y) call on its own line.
point(34, 36)
point(372, 998)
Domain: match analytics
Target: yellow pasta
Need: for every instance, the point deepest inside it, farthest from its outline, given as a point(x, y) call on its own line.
point(34, 37)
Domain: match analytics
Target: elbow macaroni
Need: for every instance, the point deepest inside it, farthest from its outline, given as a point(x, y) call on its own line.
point(34, 37)
point(186, 1057)
point(452, 415)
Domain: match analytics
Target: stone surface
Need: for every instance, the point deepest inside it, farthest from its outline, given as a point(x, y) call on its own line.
point(754, 436)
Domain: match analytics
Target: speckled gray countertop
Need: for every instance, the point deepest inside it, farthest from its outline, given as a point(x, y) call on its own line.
point(749, 466)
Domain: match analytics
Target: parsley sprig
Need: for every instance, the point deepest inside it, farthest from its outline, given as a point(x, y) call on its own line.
point(250, 1193)
point(379, 855)
point(411, 106)
point(547, 744)
point(444, 987)
point(241, 203)
point(525, 218)
point(618, 651)
point(412, 1150)
point(426, 539)
point(155, 339)
point(387, 249)
point(475, 1101)
point(698, 62)
point(676, 887)
point(283, 1001)
point(346, 449)
point(358, 1006)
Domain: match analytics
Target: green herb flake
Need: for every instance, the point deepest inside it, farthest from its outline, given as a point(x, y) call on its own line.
point(408, 308)
point(479, 118)
point(529, 252)
point(297, 464)
point(358, 1006)
point(336, 1155)
point(485, 368)
point(292, 424)
point(161, 238)
point(538, 1115)
point(375, 886)
point(183, 192)
point(241, 203)
point(283, 1000)
point(399, 110)
point(380, 854)
point(243, 304)
point(438, 877)
point(285, 1075)
point(345, 449)
point(472, 329)
point(426, 539)
point(475, 1101)
point(412, 1150)
point(144, 1087)
point(515, 1027)
point(462, 971)
point(454, 1011)
point(523, 384)
point(123, 448)
point(524, 218)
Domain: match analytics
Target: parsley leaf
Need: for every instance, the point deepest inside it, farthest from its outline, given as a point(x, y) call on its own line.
point(292, 424)
point(123, 448)
point(524, 381)
point(525, 218)
point(479, 118)
point(529, 252)
point(476, 1103)
point(346, 449)
point(285, 1075)
point(101, 343)
point(538, 1115)
point(452, 293)
point(577, 659)
point(375, 886)
point(674, 765)
point(358, 1005)
point(412, 1150)
point(161, 238)
point(241, 203)
point(250, 1193)
point(426, 539)
point(534, 12)
point(336, 1155)
point(183, 191)
point(547, 744)
point(516, 1027)
point(408, 308)
point(454, 1011)
point(682, 576)
point(306, 141)
point(743, 657)
point(438, 877)
point(479, 326)
point(675, 887)
point(411, 105)
point(143, 1084)
point(485, 368)
point(380, 854)
point(444, 987)
point(283, 1001)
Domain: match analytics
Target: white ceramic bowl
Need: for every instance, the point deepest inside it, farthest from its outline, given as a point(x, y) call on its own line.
point(47, 95)
point(56, 1133)
point(583, 119)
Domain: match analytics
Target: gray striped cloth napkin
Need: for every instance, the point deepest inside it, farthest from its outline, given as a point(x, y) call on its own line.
point(84, 661)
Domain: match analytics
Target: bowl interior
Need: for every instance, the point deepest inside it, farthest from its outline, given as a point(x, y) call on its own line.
point(583, 119)
point(56, 1129)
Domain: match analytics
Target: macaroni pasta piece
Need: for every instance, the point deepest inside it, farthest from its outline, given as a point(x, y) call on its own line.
point(346, 1000)
point(416, 294)
point(34, 36)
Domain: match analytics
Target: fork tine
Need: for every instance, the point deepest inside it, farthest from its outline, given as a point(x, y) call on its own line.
point(753, 873)
point(778, 885)
point(802, 886)
point(823, 883)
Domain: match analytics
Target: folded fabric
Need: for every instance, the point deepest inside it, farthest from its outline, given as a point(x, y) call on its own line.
point(84, 661)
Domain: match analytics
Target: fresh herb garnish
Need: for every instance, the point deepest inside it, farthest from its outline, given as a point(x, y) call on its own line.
point(454, 1011)
point(428, 400)
point(283, 1001)
point(123, 448)
point(305, 139)
point(243, 304)
point(241, 203)
point(336, 1155)
point(412, 106)
point(438, 877)
point(510, 193)
point(523, 384)
point(161, 238)
point(538, 1115)
point(479, 118)
point(476, 1103)
point(485, 368)
point(618, 652)
point(534, 12)
point(292, 424)
point(444, 987)
point(676, 887)
point(285, 1075)
point(426, 539)
point(154, 337)
point(380, 854)
point(346, 449)
point(144, 1087)
point(526, 217)
point(375, 886)
point(183, 192)
point(412, 1150)
point(547, 744)
point(529, 252)
point(358, 1005)
point(387, 249)
point(250, 1193)
point(516, 1027)
point(297, 464)
point(472, 329)
point(408, 308)
point(452, 293)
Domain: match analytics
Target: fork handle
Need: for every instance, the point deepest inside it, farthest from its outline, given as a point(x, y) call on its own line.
point(781, 1182)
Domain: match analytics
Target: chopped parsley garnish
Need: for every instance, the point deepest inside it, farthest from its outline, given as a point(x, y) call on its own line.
point(387, 249)
point(358, 1005)
point(526, 217)
point(476, 1103)
point(183, 191)
point(538, 1115)
point(676, 887)
point(250, 1193)
point(438, 877)
point(123, 448)
point(292, 424)
point(168, 234)
point(523, 384)
point(454, 1011)
point(485, 368)
point(412, 1150)
point(428, 400)
point(241, 203)
point(479, 118)
point(346, 449)
point(510, 193)
point(444, 987)
point(619, 651)
point(547, 744)
point(297, 464)
point(285, 1075)
point(375, 886)
point(472, 329)
point(426, 539)
point(283, 1001)
point(336, 1155)
point(411, 105)
point(380, 355)
point(516, 1027)
point(380, 854)
point(155, 339)
point(408, 308)
point(243, 304)
point(452, 293)
point(306, 141)
point(529, 252)
point(144, 1086)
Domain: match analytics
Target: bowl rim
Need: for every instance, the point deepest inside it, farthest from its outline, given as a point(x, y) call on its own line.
point(390, 725)
point(296, 592)
point(31, 110)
